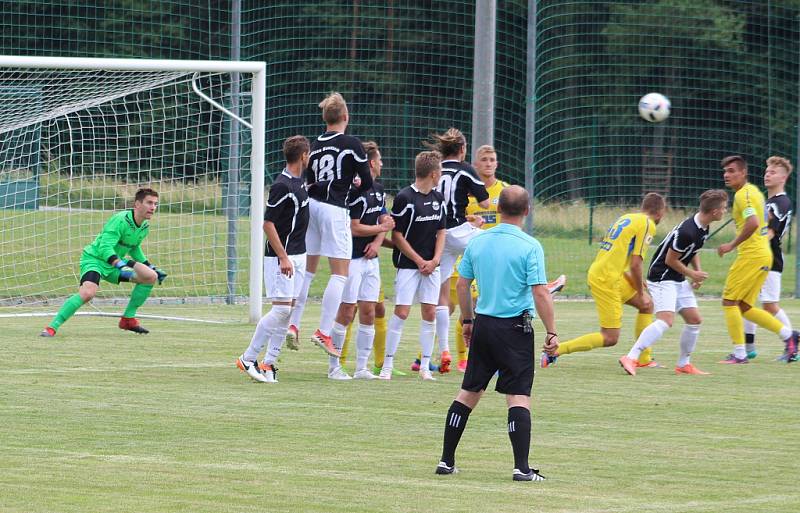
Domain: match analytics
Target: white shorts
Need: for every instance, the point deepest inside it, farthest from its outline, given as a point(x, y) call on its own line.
point(454, 245)
point(328, 231)
point(411, 286)
point(771, 290)
point(280, 287)
point(671, 296)
point(363, 281)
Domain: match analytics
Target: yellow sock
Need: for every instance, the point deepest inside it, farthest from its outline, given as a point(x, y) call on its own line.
point(583, 343)
point(642, 321)
point(461, 347)
point(735, 324)
point(763, 319)
point(379, 345)
point(346, 346)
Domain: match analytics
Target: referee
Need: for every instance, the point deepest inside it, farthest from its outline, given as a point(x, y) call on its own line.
point(508, 265)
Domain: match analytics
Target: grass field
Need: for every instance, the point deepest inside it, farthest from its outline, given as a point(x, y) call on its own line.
point(104, 421)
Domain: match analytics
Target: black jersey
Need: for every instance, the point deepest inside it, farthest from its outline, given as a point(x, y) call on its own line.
point(287, 209)
point(368, 208)
point(685, 239)
point(779, 208)
point(335, 160)
point(457, 183)
point(418, 217)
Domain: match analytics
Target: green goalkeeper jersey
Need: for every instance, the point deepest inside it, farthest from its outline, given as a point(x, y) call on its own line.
point(121, 236)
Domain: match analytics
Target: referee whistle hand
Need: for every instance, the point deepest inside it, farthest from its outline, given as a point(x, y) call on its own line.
point(466, 329)
point(550, 344)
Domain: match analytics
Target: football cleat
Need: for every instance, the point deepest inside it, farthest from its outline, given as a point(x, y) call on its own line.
point(652, 364)
point(752, 354)
point(269, 371)
point(132, 324)
point(395, 372)
point(415, 367)
point(339, 374)
point(557, 285)
point(628, 365)
point(425, 375)
point(251, 369)
point(444, 362)
point(791, 347)
point(48, 332)
point(293, 338)
point(443, 469)
point(532, 475)
point(690, 369)
point(364, 374)
point(385, 374)
point(732, 360)
point(462, 366)
point(547, 360)
point(325, 342)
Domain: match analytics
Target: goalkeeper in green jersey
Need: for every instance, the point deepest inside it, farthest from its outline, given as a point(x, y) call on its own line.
point(105, 259)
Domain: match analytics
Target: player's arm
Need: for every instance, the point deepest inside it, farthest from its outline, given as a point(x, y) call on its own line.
point(441, 233)
point(108, 239)
point(464, 294)
point(138, 255)
point(635, 275)
point(278, 205)
point(749, 228)
point(362, 168)
point(478, 190)
point(536, 278)
point(673, 260)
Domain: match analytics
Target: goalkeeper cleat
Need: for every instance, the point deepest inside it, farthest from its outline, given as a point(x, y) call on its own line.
point(425, 375)
point(547, 360)
point(444, 362)
point(443, 469)
point(690, 369)
point(628, 365)
point(269, 371)
point(732, 360)
point(251, 369)
point(364, 374)
point(293, 338)
point(532, 475)
point(324, 341)
point(557, 285)
point(462, 366)
point(132, 324)
point(48, 332)
point(339, 374)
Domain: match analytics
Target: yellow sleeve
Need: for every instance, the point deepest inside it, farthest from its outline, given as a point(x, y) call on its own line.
point(644, 234)
point(744, 203)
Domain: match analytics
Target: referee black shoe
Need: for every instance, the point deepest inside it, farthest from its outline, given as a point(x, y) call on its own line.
point(532, 475)
point(443, 469)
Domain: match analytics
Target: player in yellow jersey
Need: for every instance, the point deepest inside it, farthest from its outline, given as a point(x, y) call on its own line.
point(751, 267)
point(615, 277)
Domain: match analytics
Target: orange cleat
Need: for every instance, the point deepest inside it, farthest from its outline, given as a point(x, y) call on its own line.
point(628, 364)
point(652, 364)
point(326, 343)
point(293, 338)
point(462, 366)
point(132, 324)
point(444, 363)
point(48, 332)
point(690, 369)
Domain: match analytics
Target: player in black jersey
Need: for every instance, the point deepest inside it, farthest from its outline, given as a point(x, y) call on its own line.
point(369, 223)
point(779, 210)
point(458, 182)
point(336, 162)
point(676, 259)
point(418, 237)
point(285, 224)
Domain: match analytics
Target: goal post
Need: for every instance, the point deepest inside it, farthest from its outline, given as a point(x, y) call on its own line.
point(78, 136)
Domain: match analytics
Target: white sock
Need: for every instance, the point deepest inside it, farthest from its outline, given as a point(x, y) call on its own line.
point(426, 331)
point(739, 351)
point(781, 316)
point(443, 328)
point(394, 332)
point(749, 327)
point(300, 303)
point(649, 336)
point(264, 330)
point(688, 342)
point(331, 299)
point(364, 340)
point(337, 336)
point(785, 332)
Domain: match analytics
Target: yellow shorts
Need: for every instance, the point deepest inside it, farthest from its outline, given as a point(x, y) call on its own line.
point(609, 296)
point(745, 278)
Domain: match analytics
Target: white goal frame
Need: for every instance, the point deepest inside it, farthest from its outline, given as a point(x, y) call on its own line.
point(258, 126)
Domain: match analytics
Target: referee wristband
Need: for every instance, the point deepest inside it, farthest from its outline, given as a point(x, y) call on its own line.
point(466, 321)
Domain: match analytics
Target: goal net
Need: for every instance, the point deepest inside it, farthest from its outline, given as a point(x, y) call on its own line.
point(78, 137)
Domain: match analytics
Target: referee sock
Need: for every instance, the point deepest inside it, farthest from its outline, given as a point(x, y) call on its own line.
point(768, 322)
point(583, 343)
point(519, 432)
point(300, 303)
point(454, 425)
point(67, 310)
point(443, 327)
point(139, 295)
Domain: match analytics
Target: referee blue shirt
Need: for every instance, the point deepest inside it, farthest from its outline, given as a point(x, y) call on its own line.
point(506, 262)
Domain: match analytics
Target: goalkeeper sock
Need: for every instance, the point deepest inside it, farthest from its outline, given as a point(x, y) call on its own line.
point(443, 327)
point(139, 295)
point(519, 432)
point(67, 310)
point(331, 299)
point(379, 344)
point(348, 339)
point(583, 343)
point(454, 425)
point(768, 322)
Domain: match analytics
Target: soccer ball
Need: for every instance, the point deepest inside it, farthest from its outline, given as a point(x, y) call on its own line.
point(654, 107)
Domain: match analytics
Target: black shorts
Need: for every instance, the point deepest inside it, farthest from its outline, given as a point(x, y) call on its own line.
point(92, 276)
point(500, 345)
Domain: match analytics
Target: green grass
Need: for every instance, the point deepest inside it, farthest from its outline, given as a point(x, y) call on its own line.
point(99, 420)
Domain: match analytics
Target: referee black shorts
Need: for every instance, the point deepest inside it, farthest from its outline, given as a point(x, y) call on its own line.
point(500, 345)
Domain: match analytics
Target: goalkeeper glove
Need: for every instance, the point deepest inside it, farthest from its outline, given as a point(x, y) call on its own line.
point(161, 274)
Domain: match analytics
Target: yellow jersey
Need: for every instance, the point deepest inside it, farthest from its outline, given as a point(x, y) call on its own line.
point(748, 201)
point(489, 215)
point(628, 236)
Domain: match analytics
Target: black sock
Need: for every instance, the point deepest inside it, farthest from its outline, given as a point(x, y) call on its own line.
point(519, 431)
point(454, 425)
point(750, 340)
